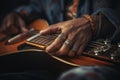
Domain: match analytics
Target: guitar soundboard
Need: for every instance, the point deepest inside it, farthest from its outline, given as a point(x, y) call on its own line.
point(99, 49)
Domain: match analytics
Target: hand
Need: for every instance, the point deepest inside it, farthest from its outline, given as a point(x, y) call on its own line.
point(73, 38)
point(13, 24)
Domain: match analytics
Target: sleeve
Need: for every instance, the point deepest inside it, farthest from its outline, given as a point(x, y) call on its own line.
point(33, 6)
point(27, 8)
point(31, 11)
point(108, 24)
point(109, 20)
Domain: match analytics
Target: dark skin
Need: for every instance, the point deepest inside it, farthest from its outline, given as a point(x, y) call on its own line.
point(78, 31)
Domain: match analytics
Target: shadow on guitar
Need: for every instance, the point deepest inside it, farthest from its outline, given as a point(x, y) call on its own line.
point(31, 60)
point(36, 59)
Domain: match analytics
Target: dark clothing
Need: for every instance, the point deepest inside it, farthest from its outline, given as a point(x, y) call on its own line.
point(55, 10)
point(7, 6)
point(37, 65)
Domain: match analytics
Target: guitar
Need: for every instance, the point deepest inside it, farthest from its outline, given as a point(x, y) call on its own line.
point(6, 49)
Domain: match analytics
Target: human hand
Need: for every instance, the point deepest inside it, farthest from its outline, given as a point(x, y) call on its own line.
point(13, 24)
point(73, 38)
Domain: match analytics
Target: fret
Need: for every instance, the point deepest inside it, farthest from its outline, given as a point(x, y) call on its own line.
point(42, 40)
point(98, 49)
point(48, 39)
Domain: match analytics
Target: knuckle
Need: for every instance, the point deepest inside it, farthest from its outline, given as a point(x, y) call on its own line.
point(63, 51)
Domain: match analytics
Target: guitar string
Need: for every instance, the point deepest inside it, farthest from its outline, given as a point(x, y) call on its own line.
point(47, 40)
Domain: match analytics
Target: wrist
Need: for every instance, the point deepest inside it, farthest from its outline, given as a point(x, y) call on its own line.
point(93, 21)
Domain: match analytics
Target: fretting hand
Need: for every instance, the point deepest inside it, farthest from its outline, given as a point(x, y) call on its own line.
point(73, 38)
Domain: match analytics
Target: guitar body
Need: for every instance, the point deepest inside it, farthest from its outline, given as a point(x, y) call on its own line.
point(6, 48)
point(31, 60)
point(35, 59)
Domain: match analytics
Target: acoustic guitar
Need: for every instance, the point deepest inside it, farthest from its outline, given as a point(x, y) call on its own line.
point(12, 49)
point(8, 48)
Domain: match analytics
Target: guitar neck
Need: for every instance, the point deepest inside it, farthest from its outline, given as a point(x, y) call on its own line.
point(100, 49)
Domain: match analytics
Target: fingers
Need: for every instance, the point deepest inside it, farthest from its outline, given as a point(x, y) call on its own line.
point(81, 49)
point(73, 42)
point(51, 29)
point(56, 28)
point(65, 48)
point(74, 45)
point(57, 43)
point(75, 48)
point(64, 45)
